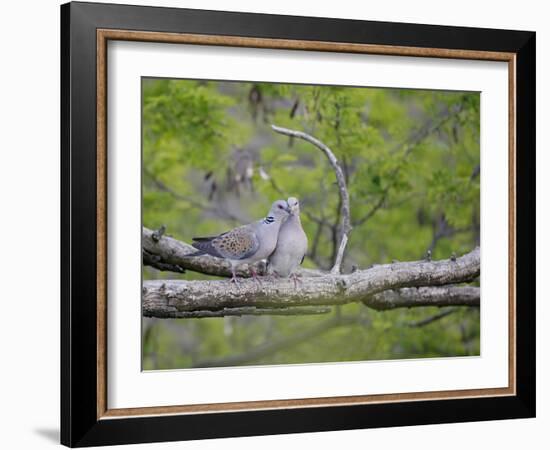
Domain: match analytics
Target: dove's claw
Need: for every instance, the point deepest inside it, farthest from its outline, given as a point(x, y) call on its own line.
point(234, 278)
point(255, 276)
point(297, 280)
point(273, 276)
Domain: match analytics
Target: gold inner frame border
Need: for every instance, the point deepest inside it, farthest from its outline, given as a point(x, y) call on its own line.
point(105, 35)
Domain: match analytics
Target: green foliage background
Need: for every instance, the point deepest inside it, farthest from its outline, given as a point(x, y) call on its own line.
point(411, 158)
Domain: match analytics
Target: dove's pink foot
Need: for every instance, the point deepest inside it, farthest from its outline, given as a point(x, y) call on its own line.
point(297, 280)
point(273, 276)
point(234, 278)
point(255, 276)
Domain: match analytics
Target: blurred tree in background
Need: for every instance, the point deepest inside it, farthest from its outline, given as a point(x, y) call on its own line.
point(411, 160)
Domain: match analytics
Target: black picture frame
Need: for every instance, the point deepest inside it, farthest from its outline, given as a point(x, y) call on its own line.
point(80, 425)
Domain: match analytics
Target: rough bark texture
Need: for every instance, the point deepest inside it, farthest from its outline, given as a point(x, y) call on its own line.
point(171, 313)
point(170, 297)
point(425, 296)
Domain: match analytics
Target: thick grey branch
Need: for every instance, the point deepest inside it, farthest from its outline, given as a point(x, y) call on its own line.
point(425, 296)
point(340, 179)
point(328, 289)
point(156, 262)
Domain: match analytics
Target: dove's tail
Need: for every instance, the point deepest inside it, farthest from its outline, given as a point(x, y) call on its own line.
point(205, 247)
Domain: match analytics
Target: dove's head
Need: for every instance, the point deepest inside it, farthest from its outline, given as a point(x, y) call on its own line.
point(279, 210)
point(293, 206)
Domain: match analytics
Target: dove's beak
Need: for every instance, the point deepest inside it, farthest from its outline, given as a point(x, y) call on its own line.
point(294, 210)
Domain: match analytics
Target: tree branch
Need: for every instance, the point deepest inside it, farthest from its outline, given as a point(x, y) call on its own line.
point(340, 179)
point(416, 138)
point(170, 313)
point(340, 255)
point(166, 252)
point(155, 261)
point(163, 297)
point(428, 320)
point(425, 296)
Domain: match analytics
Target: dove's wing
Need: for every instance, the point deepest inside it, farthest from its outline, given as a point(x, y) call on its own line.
point(239, 243)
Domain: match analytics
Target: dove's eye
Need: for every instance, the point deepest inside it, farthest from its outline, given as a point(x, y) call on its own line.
point(280, 207)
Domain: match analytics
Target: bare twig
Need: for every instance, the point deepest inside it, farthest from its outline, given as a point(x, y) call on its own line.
point(318, 220)
point(218, 211)
point(443, 230)
point(340, 179)
point(157, 234)
point(313, 256)
point(340, 255)
point(373, 209)
point(431, 319)
point(416, 138)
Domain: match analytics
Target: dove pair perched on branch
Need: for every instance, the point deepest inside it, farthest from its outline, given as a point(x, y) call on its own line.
point(278, 237)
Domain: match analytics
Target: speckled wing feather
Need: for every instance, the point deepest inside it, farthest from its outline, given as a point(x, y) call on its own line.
point(239, 243)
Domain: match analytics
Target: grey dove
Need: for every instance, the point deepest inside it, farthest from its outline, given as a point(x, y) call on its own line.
point(246, 244)
point(291, 245)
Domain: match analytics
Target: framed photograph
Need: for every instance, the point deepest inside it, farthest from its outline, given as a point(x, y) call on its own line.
point(276, 224)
